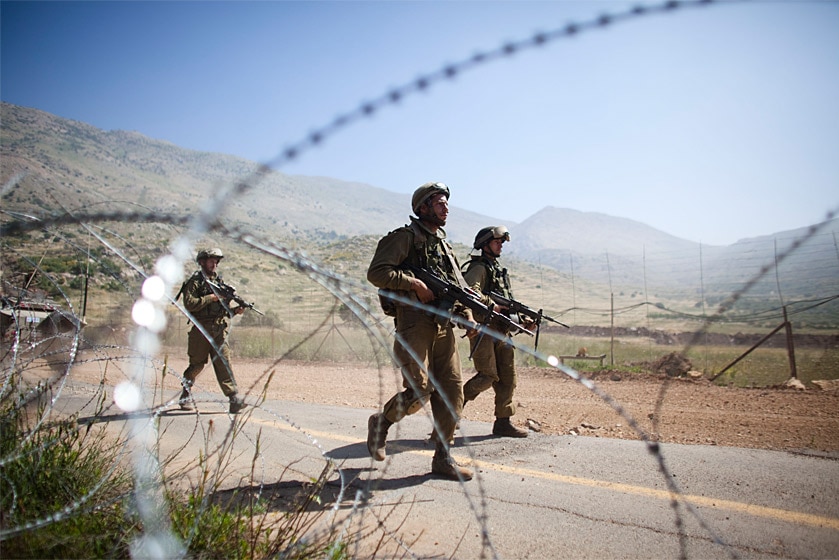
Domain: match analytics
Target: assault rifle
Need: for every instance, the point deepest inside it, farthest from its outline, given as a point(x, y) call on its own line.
point(228, 294)
point(447, 291)
point(523, 310)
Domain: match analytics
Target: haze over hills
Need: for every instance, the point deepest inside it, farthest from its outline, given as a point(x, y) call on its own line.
point(50, 163)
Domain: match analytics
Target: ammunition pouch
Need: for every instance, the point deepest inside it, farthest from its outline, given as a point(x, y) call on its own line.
point(388, 305)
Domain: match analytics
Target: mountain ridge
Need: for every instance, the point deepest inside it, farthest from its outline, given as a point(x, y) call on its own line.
point(157, 163)
point(49, 161)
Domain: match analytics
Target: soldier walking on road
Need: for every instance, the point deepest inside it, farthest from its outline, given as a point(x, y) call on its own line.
point(420, 333)
point(213, 315)
point(494, 358)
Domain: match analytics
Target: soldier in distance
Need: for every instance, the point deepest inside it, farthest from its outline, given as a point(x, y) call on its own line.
point(213, 315)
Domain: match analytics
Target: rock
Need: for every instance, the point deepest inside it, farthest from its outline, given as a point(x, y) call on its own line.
point(673, 364)
point(533, 425)
point(795, 383)
point(695, 374)
point(826, 384)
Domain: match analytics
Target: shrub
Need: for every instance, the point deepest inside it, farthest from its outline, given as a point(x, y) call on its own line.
point(63, 494)
point(60, 486)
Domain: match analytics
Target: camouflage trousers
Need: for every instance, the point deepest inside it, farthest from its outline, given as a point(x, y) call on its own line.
point(423, 345)
point(496, 365)
point(200, 350)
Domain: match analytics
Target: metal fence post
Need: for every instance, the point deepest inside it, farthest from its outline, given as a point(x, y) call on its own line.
point(790, 346)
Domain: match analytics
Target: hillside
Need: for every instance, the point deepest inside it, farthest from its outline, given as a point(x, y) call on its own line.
point(60, 163)
point(52, 166)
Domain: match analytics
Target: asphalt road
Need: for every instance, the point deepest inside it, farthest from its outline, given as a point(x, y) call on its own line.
point(539, 497)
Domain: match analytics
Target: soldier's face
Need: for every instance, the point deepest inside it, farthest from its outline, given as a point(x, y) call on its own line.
point(437, 209)
point(495, 247)
point(209, 264)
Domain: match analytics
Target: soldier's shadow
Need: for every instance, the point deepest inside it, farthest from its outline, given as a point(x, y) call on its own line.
point(397, 446)
point(377, 474)
point(394, 447)
point(143, 414)
point(369, 480)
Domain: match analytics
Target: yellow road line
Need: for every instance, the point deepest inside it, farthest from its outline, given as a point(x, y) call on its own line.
point(739, 507)
point(751, 509)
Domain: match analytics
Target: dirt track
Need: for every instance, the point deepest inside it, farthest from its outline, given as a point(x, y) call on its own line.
point(694, 412)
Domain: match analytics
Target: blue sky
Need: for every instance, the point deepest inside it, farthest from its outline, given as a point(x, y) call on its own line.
point(712, 124)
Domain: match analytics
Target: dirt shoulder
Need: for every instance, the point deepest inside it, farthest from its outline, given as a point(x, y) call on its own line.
point(671, 410)
point(677, 410)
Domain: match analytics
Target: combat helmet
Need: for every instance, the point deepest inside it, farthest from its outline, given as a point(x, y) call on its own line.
point(487, 234)
point(215, 252)
point(426, 191)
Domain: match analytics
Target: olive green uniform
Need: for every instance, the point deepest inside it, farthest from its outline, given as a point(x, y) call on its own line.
point(214, 318)
point(493, 359)
point(425, 342)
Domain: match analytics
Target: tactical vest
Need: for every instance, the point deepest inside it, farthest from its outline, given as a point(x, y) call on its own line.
point(212, 312)
point(498, 280)
point(431, 253)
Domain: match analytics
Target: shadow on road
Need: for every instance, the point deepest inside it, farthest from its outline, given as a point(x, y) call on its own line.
point(147, 414)
point(397, 446)
point(352, 478)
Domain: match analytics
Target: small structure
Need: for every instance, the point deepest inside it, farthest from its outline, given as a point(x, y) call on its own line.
point(35, 321)
point(598, 357)
point(59, 321)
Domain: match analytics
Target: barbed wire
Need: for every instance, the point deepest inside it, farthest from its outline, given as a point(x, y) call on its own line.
point(450, 72)
point(349, 292)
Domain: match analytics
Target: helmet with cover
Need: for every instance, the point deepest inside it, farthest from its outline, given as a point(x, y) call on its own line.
point(487, 234)
point(214, 253)
point(426, 191)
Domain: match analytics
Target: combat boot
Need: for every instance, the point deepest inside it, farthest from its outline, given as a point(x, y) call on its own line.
point(184, 400)
point(377, 426)
point(445, 466)
point(504, 428)
point(237, 405)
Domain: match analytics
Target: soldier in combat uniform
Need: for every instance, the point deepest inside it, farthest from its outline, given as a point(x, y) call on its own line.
point(213, 314)
point(494, 359)
point(423, 244)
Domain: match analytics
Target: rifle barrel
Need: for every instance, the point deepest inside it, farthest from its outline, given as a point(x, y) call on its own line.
point(519, 307)
point(229, 292)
